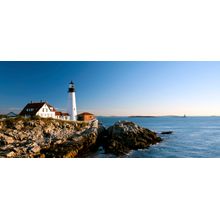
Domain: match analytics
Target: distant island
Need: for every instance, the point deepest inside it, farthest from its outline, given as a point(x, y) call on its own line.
point(151, 116)
point(141, 116)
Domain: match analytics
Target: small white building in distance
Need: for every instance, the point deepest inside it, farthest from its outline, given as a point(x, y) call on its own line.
point(44, 110)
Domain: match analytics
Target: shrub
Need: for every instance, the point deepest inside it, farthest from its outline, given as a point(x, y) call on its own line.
point(36, 117)
point(9, 123)
point(3, 116)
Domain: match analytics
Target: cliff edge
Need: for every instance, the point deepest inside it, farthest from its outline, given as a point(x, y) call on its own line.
point(41, 137)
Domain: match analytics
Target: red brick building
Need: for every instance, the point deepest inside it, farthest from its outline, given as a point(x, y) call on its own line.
point(86, 116)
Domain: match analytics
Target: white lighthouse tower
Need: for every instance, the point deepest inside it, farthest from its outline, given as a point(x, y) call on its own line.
point(72, 102)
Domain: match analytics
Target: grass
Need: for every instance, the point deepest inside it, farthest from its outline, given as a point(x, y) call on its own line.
point(10, 122)
point(3, 116)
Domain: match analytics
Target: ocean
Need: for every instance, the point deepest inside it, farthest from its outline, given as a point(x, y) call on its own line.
point(193, 137)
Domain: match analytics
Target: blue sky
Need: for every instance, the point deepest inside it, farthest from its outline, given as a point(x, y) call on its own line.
point(114, 88)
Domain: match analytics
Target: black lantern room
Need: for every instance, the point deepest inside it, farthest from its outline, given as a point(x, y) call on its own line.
point(71, 87)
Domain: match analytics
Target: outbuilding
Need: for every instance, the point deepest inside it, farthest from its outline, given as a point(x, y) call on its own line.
point(11, 115)
point(86, 116)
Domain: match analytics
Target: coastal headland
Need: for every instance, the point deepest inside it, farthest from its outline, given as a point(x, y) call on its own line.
point(51, 138)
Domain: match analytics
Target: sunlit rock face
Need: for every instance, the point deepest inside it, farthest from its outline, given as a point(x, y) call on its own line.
point(47, 138)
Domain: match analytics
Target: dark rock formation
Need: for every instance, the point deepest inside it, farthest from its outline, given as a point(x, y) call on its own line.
point(125, 136)
point(167, 132)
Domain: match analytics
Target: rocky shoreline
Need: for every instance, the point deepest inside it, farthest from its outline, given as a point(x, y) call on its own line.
point(125, 136)
point(50, 138)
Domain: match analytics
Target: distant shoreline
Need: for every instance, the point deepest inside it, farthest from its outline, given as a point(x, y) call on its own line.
point(142, 116)
point(157, 116)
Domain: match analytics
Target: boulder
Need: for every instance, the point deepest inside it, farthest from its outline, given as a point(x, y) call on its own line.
point(124, 136)
point(36, 149)
point(4, 139)
point(11, 154)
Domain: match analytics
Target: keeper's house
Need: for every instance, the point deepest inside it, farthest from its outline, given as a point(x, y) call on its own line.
point(44, 110)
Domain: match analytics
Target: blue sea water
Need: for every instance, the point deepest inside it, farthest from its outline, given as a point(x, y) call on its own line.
point(193, 137)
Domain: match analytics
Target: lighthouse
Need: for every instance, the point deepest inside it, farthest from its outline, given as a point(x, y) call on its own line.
point(72, 102)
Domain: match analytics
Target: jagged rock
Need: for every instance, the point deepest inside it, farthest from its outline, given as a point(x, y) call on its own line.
point(36, 149)
point(22, 135)
point(1, 125)
point(11, 154)
point(76, 145)
point(19, 125)
point(125, 136)
point(4, 139)
point(47, 138)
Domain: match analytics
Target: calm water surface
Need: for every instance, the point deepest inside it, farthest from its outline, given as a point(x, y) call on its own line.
point(193, 137)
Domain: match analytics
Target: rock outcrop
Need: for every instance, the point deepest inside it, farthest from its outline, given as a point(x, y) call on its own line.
point(125, 136)
point(28, 138)
point(78, 144)
point(47, 138)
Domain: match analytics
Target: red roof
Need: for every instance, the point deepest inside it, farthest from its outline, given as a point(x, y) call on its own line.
point(86, 113)
point(61, 114)
point(65, 114)
point(58, 113)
